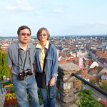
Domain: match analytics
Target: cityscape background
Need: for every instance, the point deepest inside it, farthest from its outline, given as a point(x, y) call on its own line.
point(78, 30)
point(84, 56)
point(72, 17)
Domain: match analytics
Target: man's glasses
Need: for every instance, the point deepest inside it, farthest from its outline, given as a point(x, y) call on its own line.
point(24, 34)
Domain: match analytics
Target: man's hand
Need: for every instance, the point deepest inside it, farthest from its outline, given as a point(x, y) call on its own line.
point(10, 78)
point(10, 73)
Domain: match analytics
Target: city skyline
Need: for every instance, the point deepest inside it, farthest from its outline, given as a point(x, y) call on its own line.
point(72, 17)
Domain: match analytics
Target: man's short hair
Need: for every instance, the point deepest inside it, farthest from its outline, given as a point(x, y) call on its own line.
point(22, 28)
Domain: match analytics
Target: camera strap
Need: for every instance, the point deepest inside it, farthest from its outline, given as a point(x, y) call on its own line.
point(19, 54)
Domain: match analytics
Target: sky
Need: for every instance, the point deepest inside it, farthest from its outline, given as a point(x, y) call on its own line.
point(60, 17)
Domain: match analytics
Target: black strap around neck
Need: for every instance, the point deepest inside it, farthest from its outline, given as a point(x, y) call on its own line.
point(46, 54)
point(19, 54)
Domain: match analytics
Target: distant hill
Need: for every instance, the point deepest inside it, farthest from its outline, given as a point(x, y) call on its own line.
point(63, 36)
point(10, 37)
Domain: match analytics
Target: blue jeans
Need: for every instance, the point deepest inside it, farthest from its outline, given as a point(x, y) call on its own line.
point(21, 88)
point(48, 95)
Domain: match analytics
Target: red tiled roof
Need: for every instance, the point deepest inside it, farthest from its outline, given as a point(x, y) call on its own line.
point(101, 54)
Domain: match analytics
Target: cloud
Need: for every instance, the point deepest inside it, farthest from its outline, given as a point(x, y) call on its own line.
point(20, 5)
point(58, 10)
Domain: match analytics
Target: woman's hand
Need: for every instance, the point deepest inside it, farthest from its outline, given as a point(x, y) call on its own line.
point(52, 82)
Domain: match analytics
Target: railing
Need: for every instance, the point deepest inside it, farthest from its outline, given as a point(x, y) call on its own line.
point(2, 90)
point(90, 86)
point(2, 93)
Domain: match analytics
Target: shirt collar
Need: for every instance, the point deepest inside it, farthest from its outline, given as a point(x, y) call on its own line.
point(46, 46)
point(18, 45)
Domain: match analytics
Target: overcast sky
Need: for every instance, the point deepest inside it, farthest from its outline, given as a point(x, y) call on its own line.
point(61, 17)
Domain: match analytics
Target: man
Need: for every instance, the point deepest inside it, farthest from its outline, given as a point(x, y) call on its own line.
point(20, 58)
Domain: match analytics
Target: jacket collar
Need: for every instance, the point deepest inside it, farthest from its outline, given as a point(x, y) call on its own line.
point(46, 46)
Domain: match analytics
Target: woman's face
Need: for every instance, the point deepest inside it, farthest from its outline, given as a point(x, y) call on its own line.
point(43, 36)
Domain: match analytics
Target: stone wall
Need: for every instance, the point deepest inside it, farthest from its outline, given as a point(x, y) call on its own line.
point(67, 85)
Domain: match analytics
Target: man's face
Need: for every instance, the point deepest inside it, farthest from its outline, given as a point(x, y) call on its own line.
point(24, 36)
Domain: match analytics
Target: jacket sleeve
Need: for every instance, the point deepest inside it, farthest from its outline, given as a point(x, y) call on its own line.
point(9, 59)
point(55, 63)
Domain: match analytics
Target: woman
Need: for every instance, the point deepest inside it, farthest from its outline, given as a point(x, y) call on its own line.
point(45, 49)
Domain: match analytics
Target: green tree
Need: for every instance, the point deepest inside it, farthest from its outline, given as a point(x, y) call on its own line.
point(4, 58)
point(4, 69)
point(87, 100)
point(0, 57)
point(0, 72)
point(1, 64)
